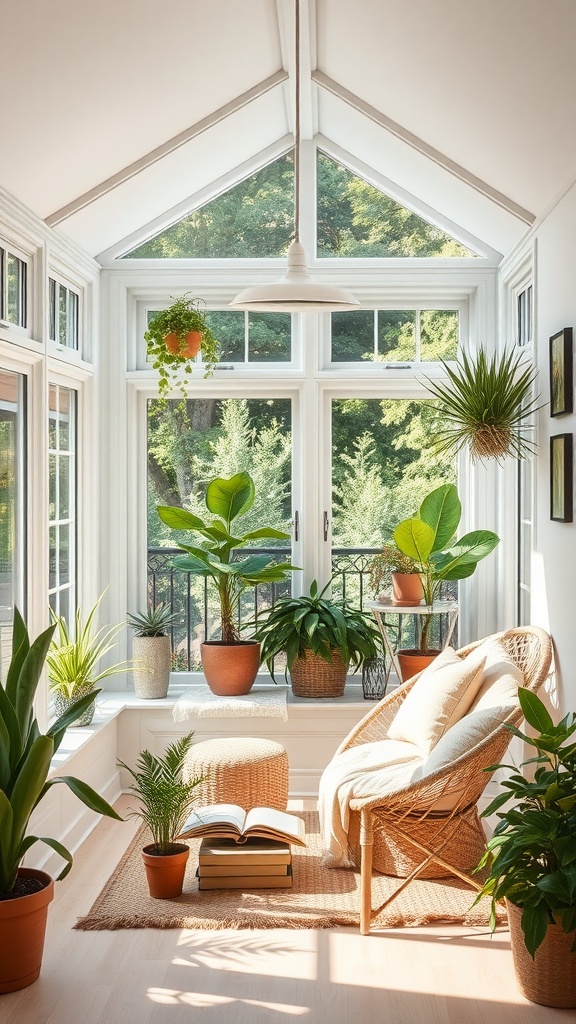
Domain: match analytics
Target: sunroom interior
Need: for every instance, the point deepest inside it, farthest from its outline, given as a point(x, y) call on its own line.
point(125, 184)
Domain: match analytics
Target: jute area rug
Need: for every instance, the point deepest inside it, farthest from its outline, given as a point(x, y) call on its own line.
point(320, 898)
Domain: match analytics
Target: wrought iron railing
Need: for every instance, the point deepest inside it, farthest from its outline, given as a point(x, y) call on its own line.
point(194, 602)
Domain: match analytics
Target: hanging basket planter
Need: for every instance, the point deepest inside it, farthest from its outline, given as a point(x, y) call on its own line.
point(174, 337)
point(487, 405)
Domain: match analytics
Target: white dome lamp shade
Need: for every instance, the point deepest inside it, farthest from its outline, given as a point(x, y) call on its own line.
point(296, 291)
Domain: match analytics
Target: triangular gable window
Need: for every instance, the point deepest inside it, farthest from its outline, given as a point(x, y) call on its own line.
point(253, 219)
point(356, 219)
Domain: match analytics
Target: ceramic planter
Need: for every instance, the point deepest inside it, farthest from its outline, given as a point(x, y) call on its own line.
point(153, 658)
point(62, 703)
point(412, 662)
point(407, 589)
point(22, 930)
point(187, 347)
point(230, 669)
point(550, 978)
point(165, 872)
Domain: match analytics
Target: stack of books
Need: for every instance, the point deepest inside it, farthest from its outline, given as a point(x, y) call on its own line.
point(244, 850)
point(256, 864)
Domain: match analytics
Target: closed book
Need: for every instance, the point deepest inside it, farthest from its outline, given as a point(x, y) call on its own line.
point(241, 870)
point(255, 851)
point(246, 881)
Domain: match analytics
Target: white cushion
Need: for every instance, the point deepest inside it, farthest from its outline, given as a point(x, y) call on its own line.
point(440, 698)
point(501, 678)
point(464, 736)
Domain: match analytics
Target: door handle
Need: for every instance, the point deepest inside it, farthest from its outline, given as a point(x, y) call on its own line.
point(296, 526)
point(326, 523)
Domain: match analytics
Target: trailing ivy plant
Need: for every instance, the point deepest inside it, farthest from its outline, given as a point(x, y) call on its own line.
point(532, 854)
point(486, 404)
point(174, 365)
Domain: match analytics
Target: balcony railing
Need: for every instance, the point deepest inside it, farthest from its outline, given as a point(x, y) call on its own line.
point(194, 601)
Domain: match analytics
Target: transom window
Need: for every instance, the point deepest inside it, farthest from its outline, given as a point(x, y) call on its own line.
point(395, 335)
point(63, 314)
point(13, 288)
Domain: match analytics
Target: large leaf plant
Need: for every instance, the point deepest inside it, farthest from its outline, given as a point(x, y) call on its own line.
point(430, 539)
point(531, 856)
point(213, 557)
point(26, 755)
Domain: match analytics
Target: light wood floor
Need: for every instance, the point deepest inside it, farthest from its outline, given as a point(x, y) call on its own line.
point(410, 976)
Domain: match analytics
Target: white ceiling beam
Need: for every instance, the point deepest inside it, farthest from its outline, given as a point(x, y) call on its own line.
point(167, 147)
point(324, 82)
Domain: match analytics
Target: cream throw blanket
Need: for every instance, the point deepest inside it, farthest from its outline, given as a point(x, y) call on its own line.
point(370, 769)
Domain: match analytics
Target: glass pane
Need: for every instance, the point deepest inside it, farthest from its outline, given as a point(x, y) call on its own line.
point(12, 537)
point(52, 309)
point(397, 335)
point(253, 219)
point(228, 327)
point(65, 425)
point(189, 444)
point(52, 417)
point(64, 554)
point(64, 495)
point(72, 320)
point(438, 334)
point(353, 336)
point(269, 337)
point(52, 463)
point(356, 219)
point(62, 314)
point(53, 557)
point(13, 293)
point(64, 603)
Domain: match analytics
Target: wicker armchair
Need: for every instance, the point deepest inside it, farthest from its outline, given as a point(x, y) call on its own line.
point(408, 834)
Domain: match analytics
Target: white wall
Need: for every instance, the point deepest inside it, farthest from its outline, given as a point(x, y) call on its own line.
point(554, 560)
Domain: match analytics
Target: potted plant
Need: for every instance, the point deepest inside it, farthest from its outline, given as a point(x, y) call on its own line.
point(320, 639)
point(531, 858)
point(165, 803)
point(429, 539)
point(174, 337)
point(152, 651)
point(25, 757)
point(72, 660)
point(487, 404)
point(406, 583)
point(231, 663)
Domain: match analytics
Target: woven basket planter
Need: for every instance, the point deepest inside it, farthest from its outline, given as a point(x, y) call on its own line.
point(312, 676)
point(550, 978)
point(152, 657)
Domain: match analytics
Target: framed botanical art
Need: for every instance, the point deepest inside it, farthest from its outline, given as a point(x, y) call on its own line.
point(561, 478)
point(561, 389)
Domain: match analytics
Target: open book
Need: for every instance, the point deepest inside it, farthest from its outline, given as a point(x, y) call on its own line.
point(230, 821)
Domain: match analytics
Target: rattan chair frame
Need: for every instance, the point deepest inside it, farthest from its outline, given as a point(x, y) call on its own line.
point(431, 839)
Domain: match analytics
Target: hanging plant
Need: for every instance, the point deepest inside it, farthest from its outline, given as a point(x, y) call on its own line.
point(174, 337)
point(486, 405)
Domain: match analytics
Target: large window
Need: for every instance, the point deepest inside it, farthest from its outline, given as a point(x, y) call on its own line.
point(12, 503)
point(188, 445)
point(62, 516)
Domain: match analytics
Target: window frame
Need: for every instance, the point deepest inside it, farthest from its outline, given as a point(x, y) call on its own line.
point(25, 287)
point(72, 519)
point(59, 283)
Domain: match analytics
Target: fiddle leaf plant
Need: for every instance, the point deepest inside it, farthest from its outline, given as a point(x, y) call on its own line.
point(213, 557)
point(531, 857)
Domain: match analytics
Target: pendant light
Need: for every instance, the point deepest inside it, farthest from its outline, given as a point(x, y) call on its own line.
point(296, 291)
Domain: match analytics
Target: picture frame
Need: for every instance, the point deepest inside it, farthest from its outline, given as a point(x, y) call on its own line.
point(561, 462)
point(561, 373)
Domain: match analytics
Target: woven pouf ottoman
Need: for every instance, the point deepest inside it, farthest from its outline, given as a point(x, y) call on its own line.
point(244, 770)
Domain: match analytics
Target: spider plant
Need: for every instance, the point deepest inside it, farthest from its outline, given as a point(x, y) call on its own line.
point(486, 404)
point(165, 797)
point(74, 654)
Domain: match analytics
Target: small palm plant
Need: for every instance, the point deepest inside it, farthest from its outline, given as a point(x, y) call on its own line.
point(486, 404)
point(153, 622)
point(166, 797)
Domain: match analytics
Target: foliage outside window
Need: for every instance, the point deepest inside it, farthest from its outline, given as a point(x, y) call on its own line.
point(395, 335)
point(12, 512)
point(63, 314)
point(250, 337)
point(13, 288)
point(62, 500)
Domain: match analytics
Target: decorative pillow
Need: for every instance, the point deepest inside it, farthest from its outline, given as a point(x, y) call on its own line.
point(463, 736)
point(440, 698)
point(501, 677)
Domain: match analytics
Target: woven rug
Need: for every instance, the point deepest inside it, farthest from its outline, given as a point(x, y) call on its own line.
point(320, 898)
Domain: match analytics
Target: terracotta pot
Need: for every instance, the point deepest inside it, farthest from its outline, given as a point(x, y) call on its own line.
point(187, 347)
point(230, 669)
point(412, 662)
point(165, 871)
point(407, 589)
point(550, 978)
point(22, 930)
point(152, 657)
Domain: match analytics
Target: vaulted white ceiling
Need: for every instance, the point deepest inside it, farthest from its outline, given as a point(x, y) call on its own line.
point(115, 114)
